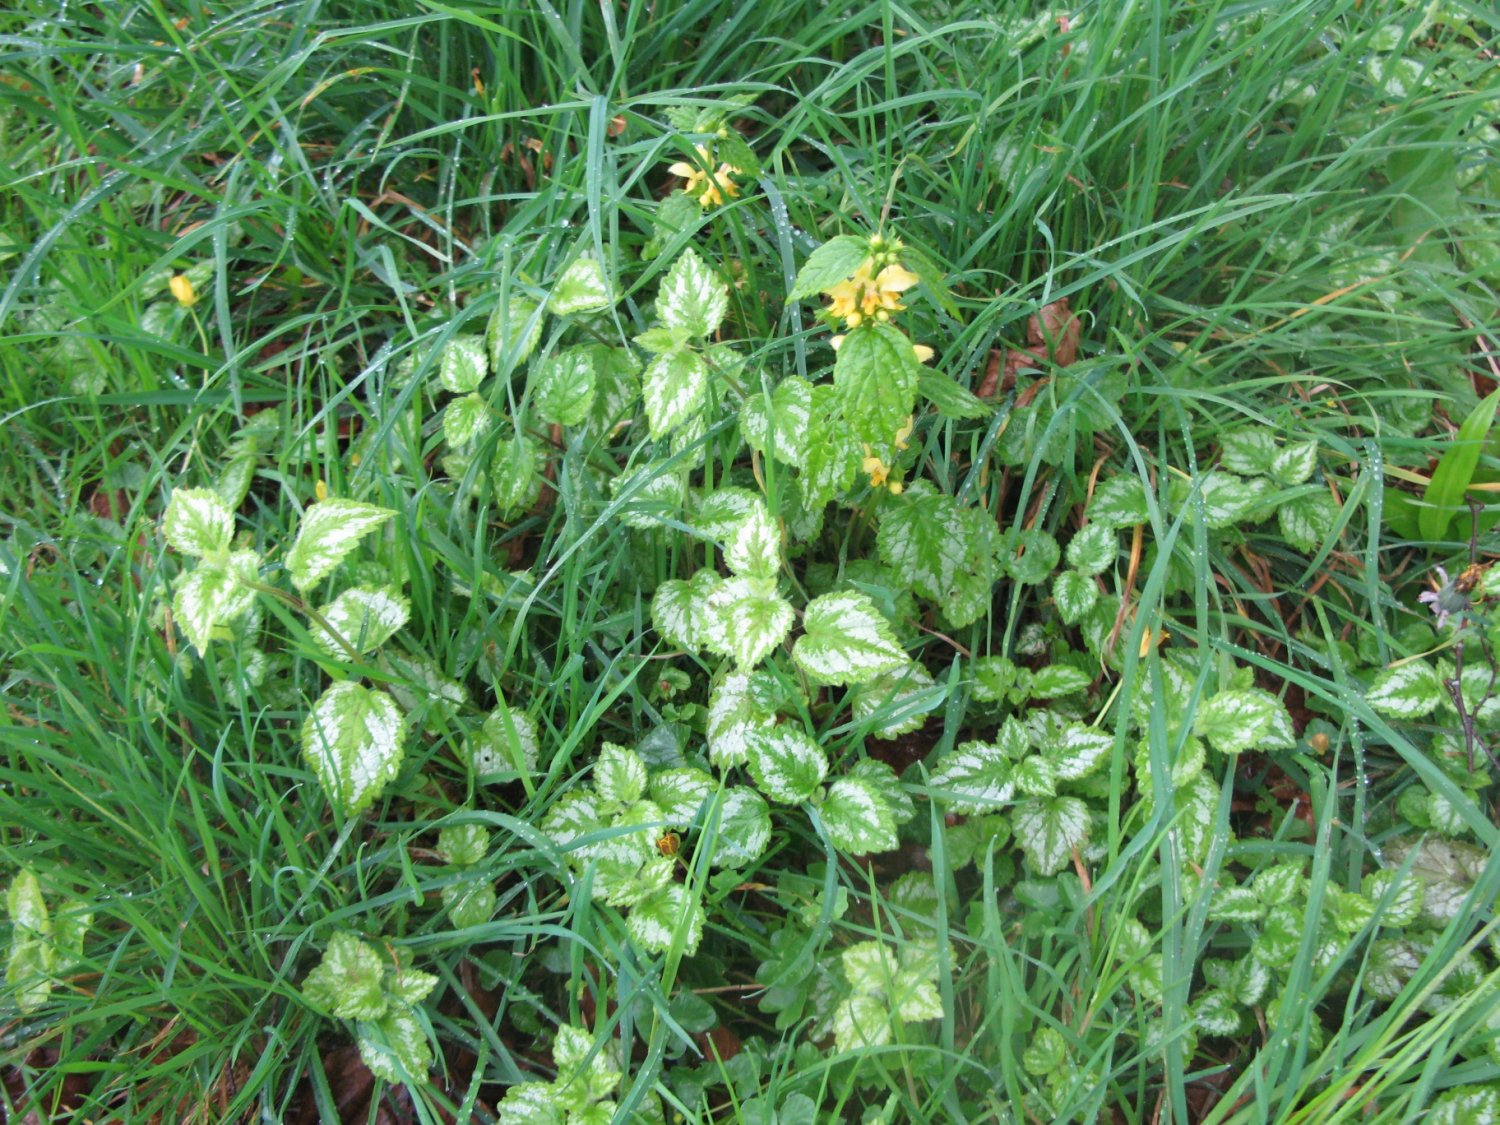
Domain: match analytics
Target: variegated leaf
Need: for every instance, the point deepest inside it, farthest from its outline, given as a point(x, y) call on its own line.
point(733, 716)
point(667, 916)
point(753, 547)
point(330, 529)
point(580, 289)
point(352, 740)
point(973, 777)
point(1048, 829)
point(461, 364)
point(198, 523)
point(214, 594)
point(674, 387)
point(753, 616)
point(692, 298)
point(513, 332)
point(786, 763)
point(846, 640)
point(365, 617)
point(1407, 691)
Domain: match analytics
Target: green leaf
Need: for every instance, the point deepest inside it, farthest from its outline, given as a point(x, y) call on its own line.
point(1463, 1105)
point(1216, 1013)
point(1119, 502)
point(1306, 521)
point(1397, 898)
point(1033, 556)
point(1295, 464)
point(1248, 451)
point(395, 1047)
point(833, 455)
point(786, 763)
point(349, 982)
point(506, 744)
point(1235, 721)
point(733, 716)
point(198, 523)
point(1408, 691)
point(828, 265)
point(1236, 904)
point(33, 956)
point(674, 386)
point(461, 364)
point(214, 594)
point(580, 289)
point(846, 640)
point(897, 702)
point(692, 297)
point(680, 608)
point(655, 492)
point(929, 541)
point(464, 420)
point(1227, 499)
point(469, 904)
point(754, 618)
point(330, 529)
point(1046, 1052)
point(1455, 471)
point(532, 1103)
point(656, 920)
point(463, 845)
point(515, 473)
point(1094, 549)
point(1058, 679)
point(1035, 776)
point(720, 512)
point(588, 1071)
point(1048, 829)
point(1078, 751)
point(861, 1021)
point(1280, 935)
point(744, 827)
point(562, 386)
point(680, 793)
point(1074, 595)
point(753, 547)
point(352, 740)
point(619, 774)
point(513, 332)
point(364, 616)
point(974, 777)
point(950, 399)
point(857, 818)
point(784, 432)
point(876, 375)
point(617, 386)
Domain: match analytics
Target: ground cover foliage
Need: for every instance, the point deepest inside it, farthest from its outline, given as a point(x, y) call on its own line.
point(759, 562)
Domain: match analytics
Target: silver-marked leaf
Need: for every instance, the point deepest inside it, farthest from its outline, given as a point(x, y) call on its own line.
point(734, 714)
point(562, 386)
point(352, 740)
point(720, 512)
point(692, 297)
point(619, 774)
point(753, 617)
point(1035, 776)
point(617, 386)
point(513, 332)
point(1294, 464)
point(898, 701)
point(464, 420)
point(1058, 679)
point(580, 289)
point(1234, 721)
point(833, 455)
point(214, 594)
point(973, 777)
point(348, 983)
point(1407, 691)
point(1092, 551)
point(1119, 502)
point(744, 827)
point(753, 546)
point(32, 959)
point(506, 743)
point(1074, 595)
point(1048, 829)
point(680, 792)
point(515, 473)
point(1078, 751)
point(533, 1103)
point(857, 817)
point(674, 387)
point(330, 529)
point(784, 430)
point(461, 364)
point(365, 617)
point(786, 763)
point(846, 640)
point(1308, 520)
point(1032, 556)
point(198, 523)
point(657, 921)
point(680, 608)
point(464, 845)
point(652, 493)
point(1227, 499)
point(395, 1047)
point(925, 540)
point(1248, 451)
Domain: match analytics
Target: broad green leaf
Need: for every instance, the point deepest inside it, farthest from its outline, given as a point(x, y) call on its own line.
point(461, 364)
point(857, 818)
point(1306, 521)
point(950, 399)
point(973, 777)
point(1248, 451)
point(680, 608)
point(1397, 898)
point(828, 265)
point(349, 982)
point(846, 640)
point(1074, 595)
point(861, 1021)
point(572, 817)
point(214, 594)
point(514, 329)
point(680, 793)
point(754, 618)
point(733, 716)
point(783, 430)
point(580, 289)
point(1195, 805)
point(744, 828)
point(692, 297)
point(1035, 776)
point(33, 956)
point(330, 529)
point(617, 386)
point(463, 845)
point(1226, 499)
point(876, 375)
point(364, 616)
point(1058, 679)
point(926, 539)
point(652, 492)
point(619, 774)
point(753, 548)
point(994, 676)
point(465, 419)
point(421, 686)
point(655, 921)
point(1455, 471)
point(352, 740)
point(587, 1071)
point(786, 763)
point(1461, 1105)
point(674, 386)
point(898, 701)
point(720, 512)
point(833, 455)
point(1046, 1052)
point(198, 523)
point(515, 473)
point(1407, 691)
point(1216, 1013)
point(1236, 904)
point(1280, 935)
point(395, 1047)
point(562, 386)
point(1048, 829)
point(1119, 502)
point(1280, 883)
point(1294, 464)
point(532, 1103)
point(1094, 549)
point(1235, 721)
point(1033, 556)
point(1078, 751)
point(507, 743)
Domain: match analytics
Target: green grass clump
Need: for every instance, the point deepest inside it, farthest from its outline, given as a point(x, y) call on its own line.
point(1086, 749)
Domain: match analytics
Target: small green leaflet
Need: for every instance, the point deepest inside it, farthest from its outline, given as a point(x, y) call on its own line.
point(876, 375)
point(951, 400)
point(1048, 829)
point(1047, 1052)
point(680, 792)
point(828, 265)
point(719, 513)
point(580, 289)
point(678, 608)
point(562, 386)
point(753, 617)
point(1227, 499)
point(973, 777)
point(469, 903)
point(692, 298)
point(1308, 520)
point(656, 920)
point(833, 455)
point(330, 530)
point(619, 774)
point(461, 364)
point(926, 540)
point(753, 546)
point(395, 1047)
point(674, 386)
point(1092, 551)
point(857, 818)
point(881, 986)
point(463, 845)
point(1032, 556)
point(1407, 691)
point(365, 617)
point(349, 982)
point(215, 593)
point(1074, 595)
point(733, 716)
point(352, 740)
point(514, 473)
point(846, 640)
point(198, 523)
point(1119, 502)
point(1235, 721)
point(465, 419)
point(786, 763)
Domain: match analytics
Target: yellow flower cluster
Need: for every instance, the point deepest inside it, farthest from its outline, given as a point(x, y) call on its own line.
point(866, 293)
point(711, 190)
point(877, 470)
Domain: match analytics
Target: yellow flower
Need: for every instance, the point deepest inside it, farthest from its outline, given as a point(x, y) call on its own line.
point(182, 289)
point(710, 190)
point(879, 472)
point(866, 293)
point(320, 490)
point(905, 432)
